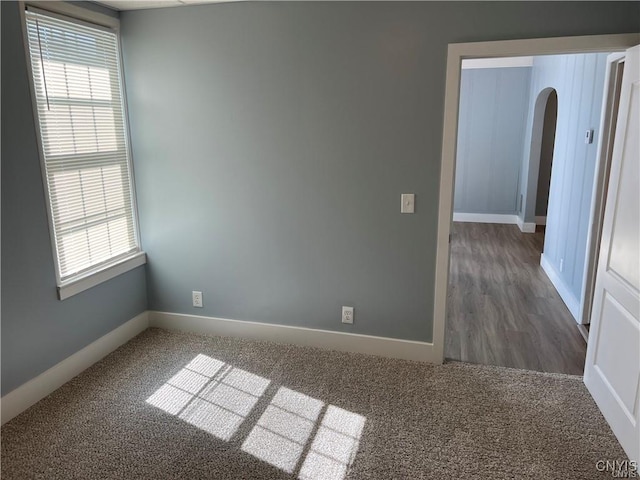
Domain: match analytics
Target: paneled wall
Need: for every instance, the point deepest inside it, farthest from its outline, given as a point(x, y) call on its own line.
point(491, 131)
point(579, 83)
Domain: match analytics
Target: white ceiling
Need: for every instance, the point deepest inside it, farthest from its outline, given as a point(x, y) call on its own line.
point(141, 4)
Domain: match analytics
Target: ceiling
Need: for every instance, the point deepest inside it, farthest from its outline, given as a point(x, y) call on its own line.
point(141, 4)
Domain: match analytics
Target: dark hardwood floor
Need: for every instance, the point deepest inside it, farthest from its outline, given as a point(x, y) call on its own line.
point(502, 308)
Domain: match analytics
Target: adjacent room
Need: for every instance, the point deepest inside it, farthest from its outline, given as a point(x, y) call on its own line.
point(519, 244)
point(233, 234)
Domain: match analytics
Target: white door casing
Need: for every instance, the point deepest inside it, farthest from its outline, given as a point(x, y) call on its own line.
point(608, 122)
point(612, 368)
point(494, 49)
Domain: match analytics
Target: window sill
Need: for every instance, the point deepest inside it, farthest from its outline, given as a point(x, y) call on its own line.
point(96, 278)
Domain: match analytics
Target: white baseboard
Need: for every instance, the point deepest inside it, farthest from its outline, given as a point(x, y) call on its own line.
point(346, 342)
point(541, 220)
point(18, 400)
point(26, 395)
point(569, 299)
point(526, 227)
point(584, 332)
point(485, 218)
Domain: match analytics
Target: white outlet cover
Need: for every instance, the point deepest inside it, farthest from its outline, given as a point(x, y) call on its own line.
point(197, 299)
point(347, 314)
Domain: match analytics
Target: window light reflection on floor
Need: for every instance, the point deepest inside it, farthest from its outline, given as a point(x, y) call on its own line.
point(210, 395)
point(284, 429)
point(335, 445)
point(296, 433)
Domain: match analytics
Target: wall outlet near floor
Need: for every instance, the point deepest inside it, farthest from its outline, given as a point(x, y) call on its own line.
point(347, 314)
point(197, 299)
point(561, 264)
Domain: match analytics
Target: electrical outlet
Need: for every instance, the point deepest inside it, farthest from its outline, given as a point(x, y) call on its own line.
point(561, 264)
point(197, 299)
point(347, 314)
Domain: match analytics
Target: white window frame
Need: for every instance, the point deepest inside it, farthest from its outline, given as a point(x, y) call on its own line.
point(109, 270)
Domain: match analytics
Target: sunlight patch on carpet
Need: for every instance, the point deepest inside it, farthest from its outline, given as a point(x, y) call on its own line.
point(296, 433)
point(211, 395)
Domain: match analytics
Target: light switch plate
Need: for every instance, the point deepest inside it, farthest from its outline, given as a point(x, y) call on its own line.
point(588, 137)
point(408, 203)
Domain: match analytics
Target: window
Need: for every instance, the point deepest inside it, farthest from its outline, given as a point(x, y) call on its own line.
point(84, 146)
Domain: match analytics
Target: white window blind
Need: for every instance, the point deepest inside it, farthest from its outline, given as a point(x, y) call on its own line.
point(78, 94)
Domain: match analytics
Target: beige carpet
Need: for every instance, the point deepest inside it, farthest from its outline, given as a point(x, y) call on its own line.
point(169, 405)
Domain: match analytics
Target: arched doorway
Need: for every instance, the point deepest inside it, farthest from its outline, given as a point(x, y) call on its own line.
point(546, 156)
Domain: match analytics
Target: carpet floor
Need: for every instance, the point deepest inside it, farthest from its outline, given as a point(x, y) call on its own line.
point(171, 405)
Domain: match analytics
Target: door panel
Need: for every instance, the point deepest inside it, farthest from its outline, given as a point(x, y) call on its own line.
point(612, 368)
point(618, 327)
point(625, 255)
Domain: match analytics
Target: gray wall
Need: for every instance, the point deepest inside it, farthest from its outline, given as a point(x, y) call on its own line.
point(272, 142)
point(546, 154)
point(580, 91)
point(38, 330)
point(579, 82)
point(491, 131)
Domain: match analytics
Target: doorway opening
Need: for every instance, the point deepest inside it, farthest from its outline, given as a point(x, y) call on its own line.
point(502, 308)
point(613, 82)
point(550, 119)
point(450, 142)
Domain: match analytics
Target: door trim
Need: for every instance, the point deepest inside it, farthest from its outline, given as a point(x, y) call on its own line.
point(456, 53)
point(608, 123)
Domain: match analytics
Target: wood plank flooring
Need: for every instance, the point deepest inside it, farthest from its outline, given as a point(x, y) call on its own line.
point(502, 308)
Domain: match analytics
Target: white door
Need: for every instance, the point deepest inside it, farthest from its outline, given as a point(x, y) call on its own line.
point(612, 369)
